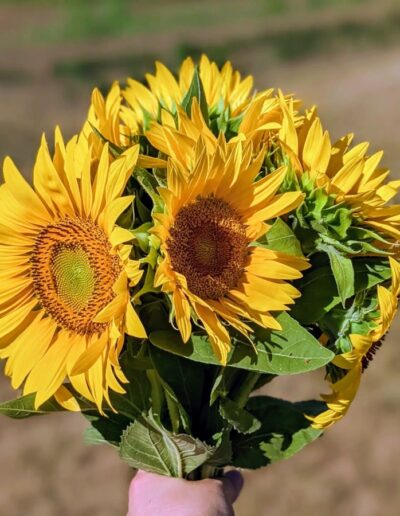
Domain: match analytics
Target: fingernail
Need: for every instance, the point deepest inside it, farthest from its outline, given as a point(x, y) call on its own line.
point(236, 478)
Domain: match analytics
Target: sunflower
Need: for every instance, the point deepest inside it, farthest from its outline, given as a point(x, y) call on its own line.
point(357, 360)
point(124, 115)
point(211, 267)
point(66, 269)
point(348, 174)
point(260, 122)
point(223, 88)
point(109, 118)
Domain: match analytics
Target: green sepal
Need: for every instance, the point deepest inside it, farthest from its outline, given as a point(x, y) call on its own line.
point(281, 238)
point(141, 235)
point(114, 149)
point(196, 90)
point(148, 284)
point(343, 272)
point(149, 184)
point(358, 318)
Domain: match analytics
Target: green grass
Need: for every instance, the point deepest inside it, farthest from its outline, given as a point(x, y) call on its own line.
point(281, 46)
point(299, 43)
point(81, 20)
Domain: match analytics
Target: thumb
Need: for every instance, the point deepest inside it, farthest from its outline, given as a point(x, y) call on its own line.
point(232, 485)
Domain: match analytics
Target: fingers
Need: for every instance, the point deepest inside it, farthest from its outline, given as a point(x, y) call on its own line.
point(232, 485)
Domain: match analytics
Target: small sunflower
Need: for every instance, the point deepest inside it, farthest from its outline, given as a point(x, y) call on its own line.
point(214, 213)
point(357, 360)
point(123, 115)
point(66, 270)
point(260, 122)
point(223, 88)
point(128, 113)
point(348, 174)
point(109, 118)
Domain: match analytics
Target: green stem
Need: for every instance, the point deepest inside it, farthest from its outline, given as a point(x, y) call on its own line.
point(157, 392)
point(241, 392)
point(210, 472)
point(173, 413)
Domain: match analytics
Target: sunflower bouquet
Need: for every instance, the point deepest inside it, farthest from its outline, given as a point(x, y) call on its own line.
point(196, 241)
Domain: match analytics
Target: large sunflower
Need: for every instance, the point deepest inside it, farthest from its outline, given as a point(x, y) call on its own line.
point(213, 272)
point(356, 361)
point(64, 302)
point(348, 174)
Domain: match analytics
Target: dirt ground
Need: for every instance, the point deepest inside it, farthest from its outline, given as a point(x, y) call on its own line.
point(45, 469)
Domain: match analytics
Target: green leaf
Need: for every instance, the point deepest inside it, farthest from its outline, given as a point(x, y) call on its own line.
point(343, 272)
point(148, 446)
point(284, 431)
point(222, 456)
point(184, 378)
point(281, 238)
point(137, 398)
point(319, 292)
point(24, 407)
point(290, 351)
point(196, 90)
point(239, 418)
point(105, 430)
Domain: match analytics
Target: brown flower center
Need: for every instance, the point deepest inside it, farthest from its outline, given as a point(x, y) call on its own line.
point(208, 245)
point(73, 273)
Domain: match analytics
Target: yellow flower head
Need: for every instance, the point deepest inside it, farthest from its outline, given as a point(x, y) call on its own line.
point(125, 114)
point(357, 360)
point(65, 266)
point(214, 211)
point(347, 173)
point(222, 87)
point(109, 118)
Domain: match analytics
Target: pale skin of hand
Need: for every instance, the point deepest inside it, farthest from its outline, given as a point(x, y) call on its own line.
point(155, 495)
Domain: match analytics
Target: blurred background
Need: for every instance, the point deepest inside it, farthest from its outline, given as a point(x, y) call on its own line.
point(343, 55)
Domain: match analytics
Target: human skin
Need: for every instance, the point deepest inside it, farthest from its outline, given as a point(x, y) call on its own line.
point(156, 495)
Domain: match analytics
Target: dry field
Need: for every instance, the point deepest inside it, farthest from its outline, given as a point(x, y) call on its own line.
point(354, 77)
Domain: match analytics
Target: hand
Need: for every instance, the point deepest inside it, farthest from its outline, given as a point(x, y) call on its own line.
point(156, 495)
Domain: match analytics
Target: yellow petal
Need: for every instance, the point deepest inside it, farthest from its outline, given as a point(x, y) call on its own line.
point(22, 192)
point(64, 398)
point(133, 325)
point(182, 314)
point(219, 336)
point(95, 346)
